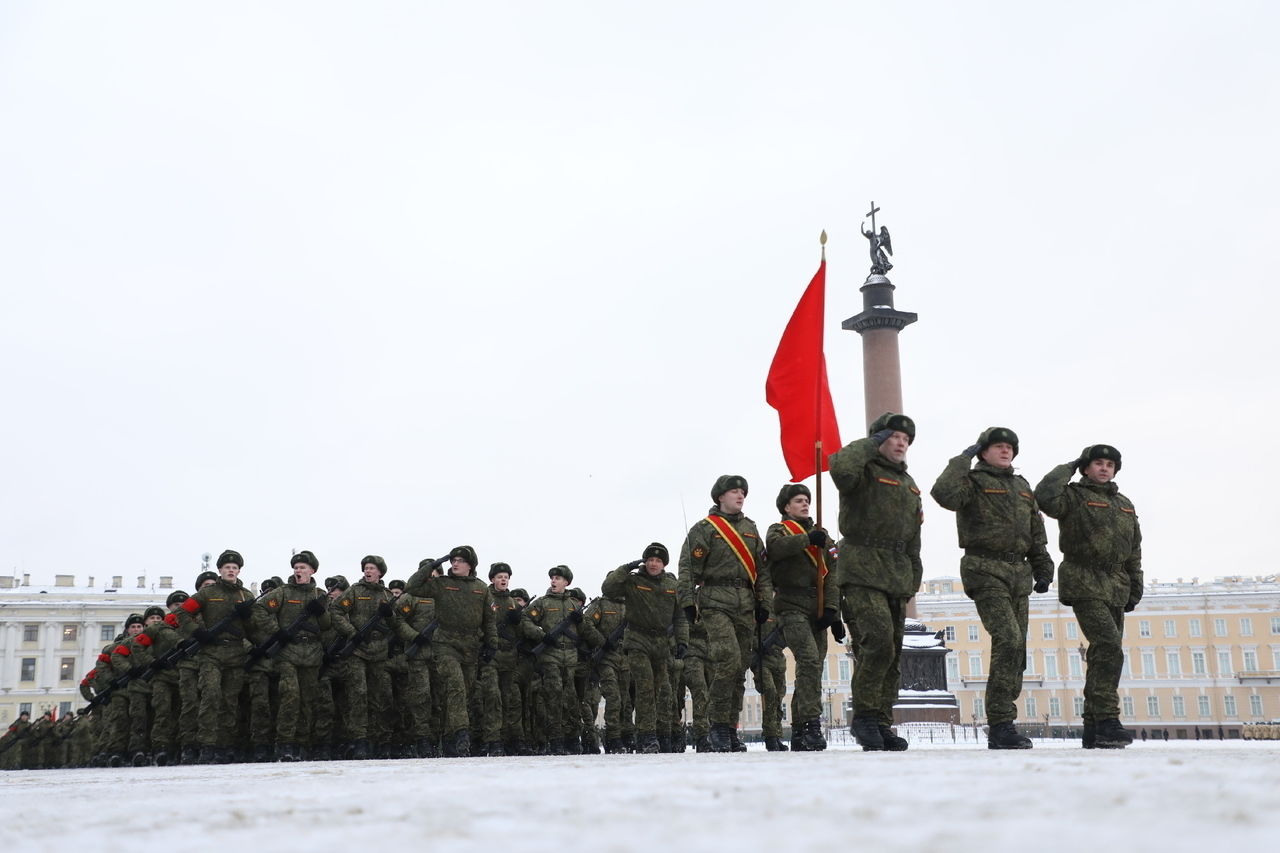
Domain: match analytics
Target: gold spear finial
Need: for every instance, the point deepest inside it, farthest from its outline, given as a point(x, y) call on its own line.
point(822, 238)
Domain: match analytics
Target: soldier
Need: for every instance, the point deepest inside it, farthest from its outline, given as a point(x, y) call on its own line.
point(652, 600)
point(363, 616)
point(220, 617)
point(525, 673)
point(769, 671)
point(131, 658)
point(466, 636)
point(11, 745)
point(417, 626)
point(1100, 577)
point(798, 568)
point(580, 721)
point(295, 615)
point(696, 680)
point(724, 585)
point(557, 613)
point(503, 724)
point(606, 666)
point(1001, 532)
point(332, 682)
point(189, 690)
point(166, 694)
point(879, 566)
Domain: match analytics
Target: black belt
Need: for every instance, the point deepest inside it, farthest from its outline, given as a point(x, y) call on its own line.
point(652, 632)
point(738, 582)
point(811, 591)
point(898, 546)
point(1097, 567)
point(1001, 556)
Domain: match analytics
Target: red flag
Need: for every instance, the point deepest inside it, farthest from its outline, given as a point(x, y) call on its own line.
point(797, 385)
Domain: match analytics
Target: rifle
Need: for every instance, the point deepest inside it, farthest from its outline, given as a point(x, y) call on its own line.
point(281, 638)
point(563, 629)
point(17, 736)
point(775, 637)
point(340, 650)
point(610, 643)
point(191, 645)
point(423, 638)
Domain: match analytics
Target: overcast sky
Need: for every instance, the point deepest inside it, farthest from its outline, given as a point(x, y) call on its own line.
point(391, 277)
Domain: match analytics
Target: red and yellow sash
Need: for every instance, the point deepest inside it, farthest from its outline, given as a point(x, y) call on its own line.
point(736, 543)
point(814, 552)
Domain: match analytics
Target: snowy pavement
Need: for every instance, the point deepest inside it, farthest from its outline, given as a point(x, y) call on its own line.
point(1179, 795)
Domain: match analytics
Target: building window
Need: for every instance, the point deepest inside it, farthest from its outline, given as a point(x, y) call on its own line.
point(1275, 626)
point(1077, 705)
point(70, 633)
point(953, 668)
point(1170, 628)
point(1193, 627)
point(979, 707)
point(64, 708)
point(950, 633)
point(1174, 660)
point(1202, 705)
point(1073, 664)
point(1219, 627)
point(975, 664)
point(1046, 630)
point(1255, 705)
point(1051, 664)
point(30, 633)
point(1224, 664)
point(1179, 706)
point(844, 669)
point(24, 708)
point(1275, 660)
point(1073, 633)
point(1055, 707)
point(825, 670)
point(973, 633)
point(1126, 705)
point(107, 634)
point(1126, 668)
point(1148, 663)
point(1229, 705)
point(67, 669)
point(28, 670)
point(1144, 627)
point(1153, 706)
point(1197, 663)
point(1031, 708)
point(1250, 661)
point(1246, 626)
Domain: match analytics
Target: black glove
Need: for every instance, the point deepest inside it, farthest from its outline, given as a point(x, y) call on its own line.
point(971, 451)
point(837, 630)
point(828, 618)
point(256, 654)
point(1128, 608)
point(202, 635)
point(243, 609)
point(513, 617)
point(879, 437)
point(691, 614)
point(762, 614)
point(487, 653)
point(1041, 586)
point(818, 537)
point(681, 651)
point(315, 606)
point(575, 616)
point(634, 564)
point(440, 562)
point(384, 609)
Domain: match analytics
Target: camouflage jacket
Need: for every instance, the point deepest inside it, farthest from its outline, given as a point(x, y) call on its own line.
point(510, 636)
point(607, 614)
point(278, 609)
point(795, 575)
point(353, 610)
point(651, 607)
point(998, 521)
point(550, 609)
point(209, 606)
point(712, 577)
point(413, 614)
point(463, 605)
point(1099, 537)
point(880, 518)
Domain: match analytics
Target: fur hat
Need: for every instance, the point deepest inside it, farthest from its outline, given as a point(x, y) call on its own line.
point(153, 610)
point(577, 593)
point(176, 597)
point(725, 482)
point(895, 422)
point(230, 556)
point(789, 491)
point(468, 555)
point(304, 557)
point(521, 593)
point(499, 568)
point(377, 562)
point(396, 584)
point(134, 619)
point(563, 571)
point(205, 576)
point(336, 582)
point(273, 582)
point(657, 549)
point(1099, 451)
point(995, 435)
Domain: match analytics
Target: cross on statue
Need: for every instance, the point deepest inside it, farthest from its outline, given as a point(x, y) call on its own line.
point(872, 214)
point(880, 244)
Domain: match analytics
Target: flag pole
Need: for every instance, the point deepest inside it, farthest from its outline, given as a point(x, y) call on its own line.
point(817, 445)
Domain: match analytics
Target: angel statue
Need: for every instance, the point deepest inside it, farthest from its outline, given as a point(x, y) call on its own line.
point(880, 244)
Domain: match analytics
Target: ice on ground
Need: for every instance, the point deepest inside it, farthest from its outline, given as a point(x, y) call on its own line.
point(1156, 796)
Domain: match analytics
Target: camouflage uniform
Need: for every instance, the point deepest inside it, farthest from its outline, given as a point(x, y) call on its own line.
point(1100, 576)
point(415, 615)
point(165, 695)
point(1003, 537)
point(879, 567)
point(770, 677)
point(606, 665)
point(297, 660)
point(696, 679)
point(556, 665)
point(368, 683)
point(504, 714)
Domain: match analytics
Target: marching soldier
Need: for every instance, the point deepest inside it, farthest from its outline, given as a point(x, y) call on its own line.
point(363, 616)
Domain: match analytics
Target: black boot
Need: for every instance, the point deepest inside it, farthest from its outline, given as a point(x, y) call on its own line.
point(495, 749)
point(629, 741)
point(678, 741)
point(262, 753)
point(893, 743)
point(774, 744)
point(703, 744)
point(461, 743)
point(613, 746)
point(360, 750)
point(664, 743)
point(866, 730)
point(1087, 736)
point(555, 746)
point(1005, 736)
point(190, 755)
point(647, 743)
point(426, 748)
point(141, 759)
point(163, 757)
point(1110, 734)
point(811, 739)
point(735, 742)
point(720, 739)
point(321, 752)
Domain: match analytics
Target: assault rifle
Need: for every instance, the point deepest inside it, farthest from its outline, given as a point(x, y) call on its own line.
point(564, 629)
point(191, 645)
point(17, 736)
point(610, 643)
point(423, 638)
point(340, 650)
point(775, 638)
point(283, 637)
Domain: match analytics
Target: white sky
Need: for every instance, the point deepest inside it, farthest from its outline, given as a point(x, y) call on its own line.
point(390, 277)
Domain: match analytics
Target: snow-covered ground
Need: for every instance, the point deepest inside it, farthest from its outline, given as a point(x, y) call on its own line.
point(1181, 795)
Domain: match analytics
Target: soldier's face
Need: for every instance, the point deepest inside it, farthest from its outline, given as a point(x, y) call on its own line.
point(396, 592)
point(501, 581)
point(894, 448)
point(134, 630)
point(229, 571)
point(732, 500)
point(558, 583)
point(999, 454)
point(370, 573)
point(206, 583)
point(154, 618)
point(654, 566)
point(459, 566)
point(335, 593)
point(798, 507)
point(520, 601)
point(1100, 470)
point(302, 573)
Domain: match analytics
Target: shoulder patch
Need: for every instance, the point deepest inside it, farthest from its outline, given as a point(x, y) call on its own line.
point(699, 552)
point(1096, 503)
point(995, 491)
point(887, 482)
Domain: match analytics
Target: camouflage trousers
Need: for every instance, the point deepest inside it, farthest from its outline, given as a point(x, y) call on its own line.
point(649, 679)
point(299, 690)
point(166, 700)
point(258, 716)
point(1103, 627)
point(189, 710)
point(808, 644)
point(503, 707)
point(1004, 616)
point(221, 682)
point(139, 717)
point(877, 619)
point(559, 698)
point(415, 696)
point(729, 639)
point(368, 700)
point(695, 681)
point(771, 684)
point(113, 732)
point(457, 659)
point(614, 676)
